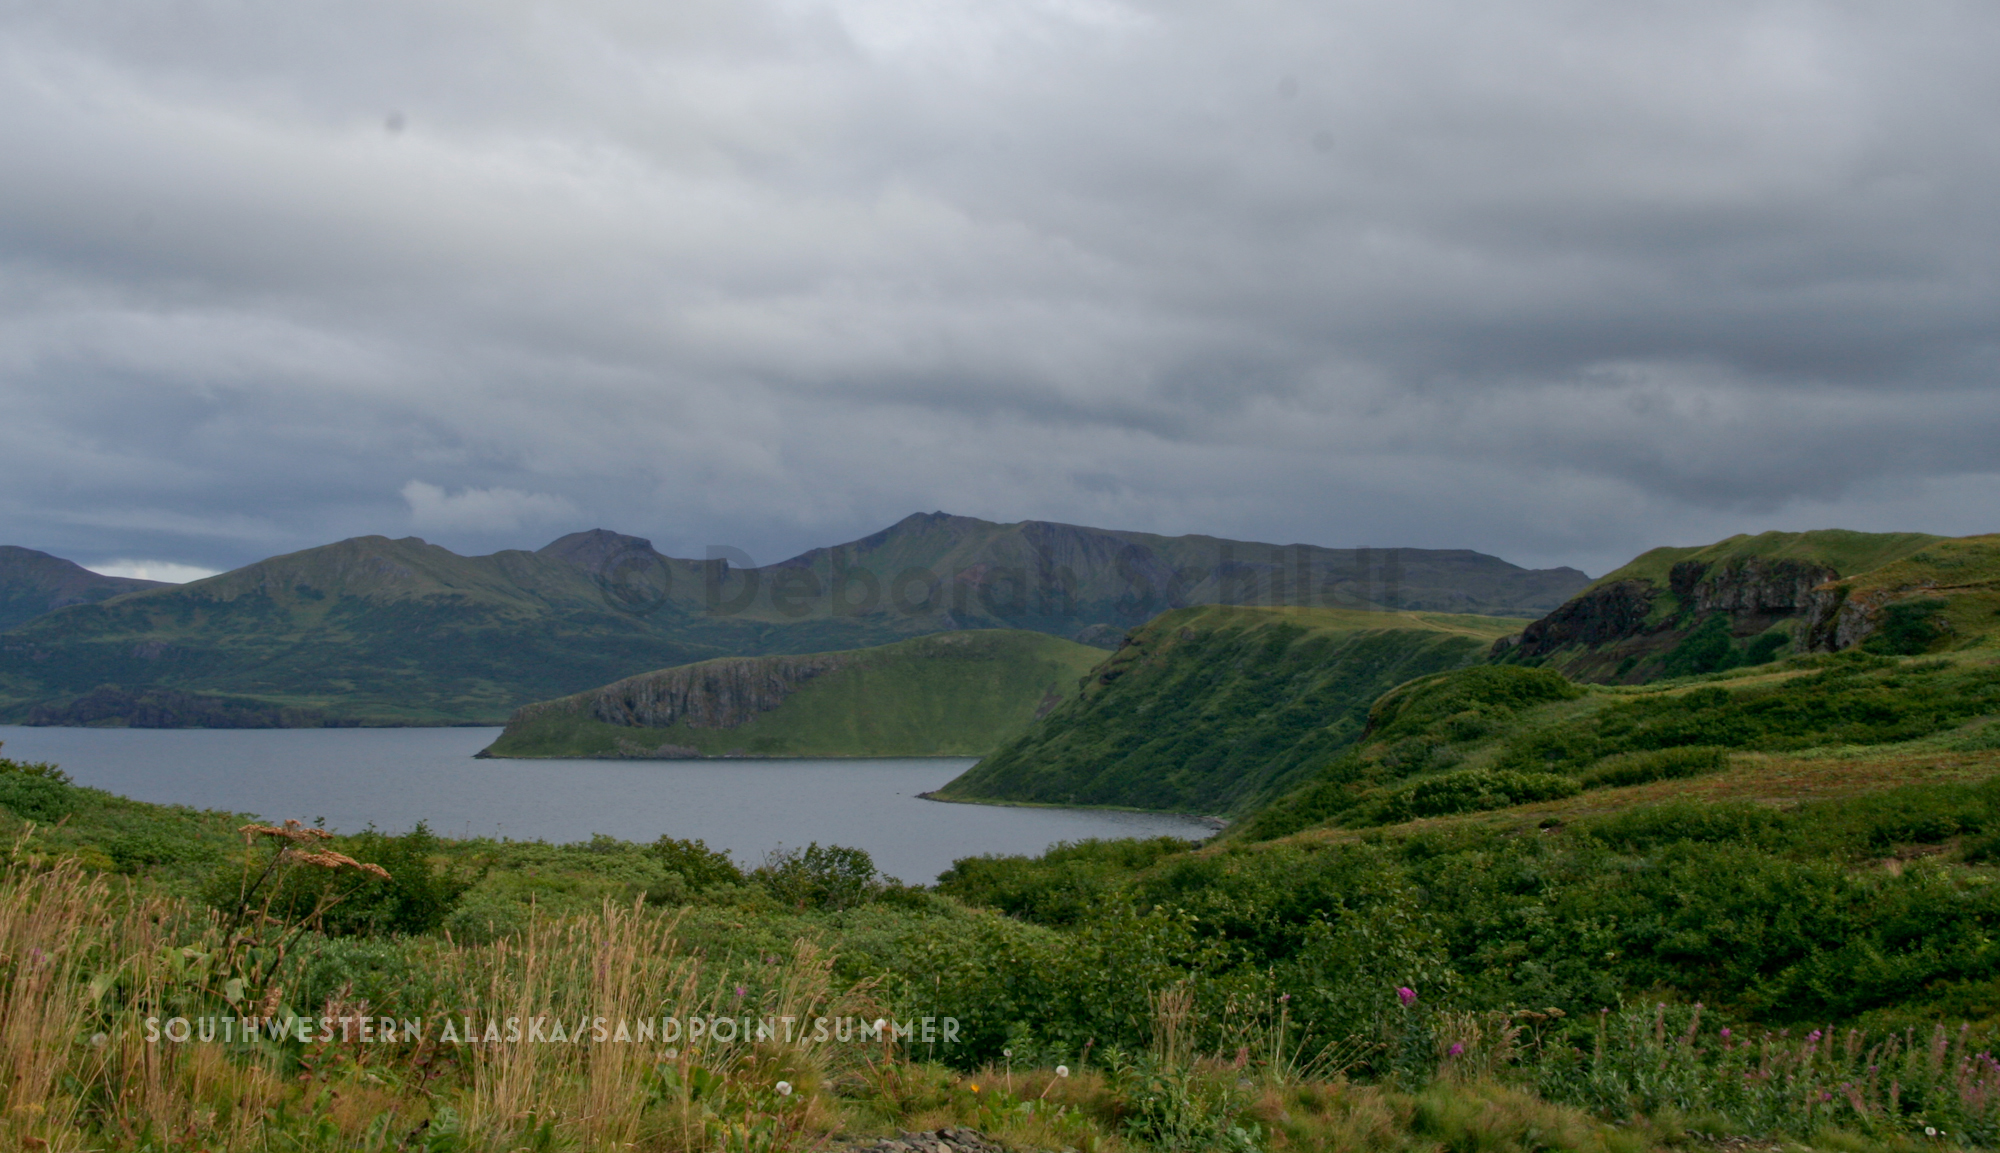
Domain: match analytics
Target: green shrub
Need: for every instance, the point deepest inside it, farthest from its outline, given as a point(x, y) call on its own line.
point(417, 898)
point(44, 800)
point(1065, 885)
point(1908, 628)
point(1657, 765)
point(1484, 690)
point(36, 791)
point(1730, 821)
point(698, 865)
point(816, 877)
point(1705, 649)
point(1172, 1109)
point(1471, 791)
point(135, 852)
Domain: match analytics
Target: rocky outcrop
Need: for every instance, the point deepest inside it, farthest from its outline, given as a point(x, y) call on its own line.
point(1839, 618)
point(935, 1141)
point(719, 694)
point(1606, 613)
point(1755, 592)
point(1756, 585)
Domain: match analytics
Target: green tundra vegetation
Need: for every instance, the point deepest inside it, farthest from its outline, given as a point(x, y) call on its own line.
point(1464, 905)
point(1520, 913)
point(948, 694)
point(1219, 709)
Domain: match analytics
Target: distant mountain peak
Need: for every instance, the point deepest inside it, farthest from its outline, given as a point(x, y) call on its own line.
point(33, 583)
point(597, 551)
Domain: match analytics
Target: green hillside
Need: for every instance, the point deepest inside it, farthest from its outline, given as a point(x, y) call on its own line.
point(34, 583)
point(1680, 611)
point(1944, 596)
point(949, 694)
point(370, 629)
point(380, 631)
point(1499, 735)
point(1215, 709)
point(1840, 549)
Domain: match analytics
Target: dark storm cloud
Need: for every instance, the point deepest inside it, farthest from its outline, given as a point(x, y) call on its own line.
point(1556, 281)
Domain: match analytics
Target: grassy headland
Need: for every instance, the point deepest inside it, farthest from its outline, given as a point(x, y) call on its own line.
point(1218, 709)
point(948, 694)
point(1733, 603)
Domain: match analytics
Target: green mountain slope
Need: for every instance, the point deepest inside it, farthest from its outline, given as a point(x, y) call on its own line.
point(380, 631)
point(948, 694)
point(1679, 611)
point(385, 631)
point(1216, 709)
point(33, 583)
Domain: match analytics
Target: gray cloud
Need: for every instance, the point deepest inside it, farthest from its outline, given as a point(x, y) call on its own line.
point(1556, 282)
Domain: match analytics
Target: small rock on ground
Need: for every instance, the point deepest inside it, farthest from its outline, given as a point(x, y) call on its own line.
point(934, 1141)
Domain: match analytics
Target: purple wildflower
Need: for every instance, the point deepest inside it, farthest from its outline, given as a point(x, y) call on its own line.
point(1456, 1048)
point(1406, 995)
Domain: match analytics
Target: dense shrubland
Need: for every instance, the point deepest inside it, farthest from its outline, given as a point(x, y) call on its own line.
point(1417, 969)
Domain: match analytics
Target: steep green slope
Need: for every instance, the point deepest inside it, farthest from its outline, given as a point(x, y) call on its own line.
point(1679, 611)
point(33, 583)
point(949, 694)
point(382, 631)
point(1215, 709)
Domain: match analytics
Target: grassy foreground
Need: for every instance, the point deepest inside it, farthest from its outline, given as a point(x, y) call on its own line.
point(1759, 909)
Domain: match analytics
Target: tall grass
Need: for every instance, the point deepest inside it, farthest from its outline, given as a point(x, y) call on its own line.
point(85, 961)
point(89, 970)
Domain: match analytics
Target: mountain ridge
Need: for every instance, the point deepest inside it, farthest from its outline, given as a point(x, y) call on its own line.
point(34, 583)
point(401, 631)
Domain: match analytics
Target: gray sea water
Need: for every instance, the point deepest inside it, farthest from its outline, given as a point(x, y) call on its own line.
point(393, 778)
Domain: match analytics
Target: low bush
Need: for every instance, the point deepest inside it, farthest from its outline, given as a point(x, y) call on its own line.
point(1622, 769)
point(820, 877)
point(36, 791)
point(1471, 791)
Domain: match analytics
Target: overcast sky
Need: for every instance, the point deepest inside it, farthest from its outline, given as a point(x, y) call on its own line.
point(1558, 281)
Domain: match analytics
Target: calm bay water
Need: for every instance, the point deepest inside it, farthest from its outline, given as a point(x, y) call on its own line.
point(394, 778)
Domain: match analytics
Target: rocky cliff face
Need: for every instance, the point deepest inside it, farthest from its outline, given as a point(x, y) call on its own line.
point(1606, 613)
point(1609, 629)
point(720, 694)
point(1756, 586)
point(1840, 618)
